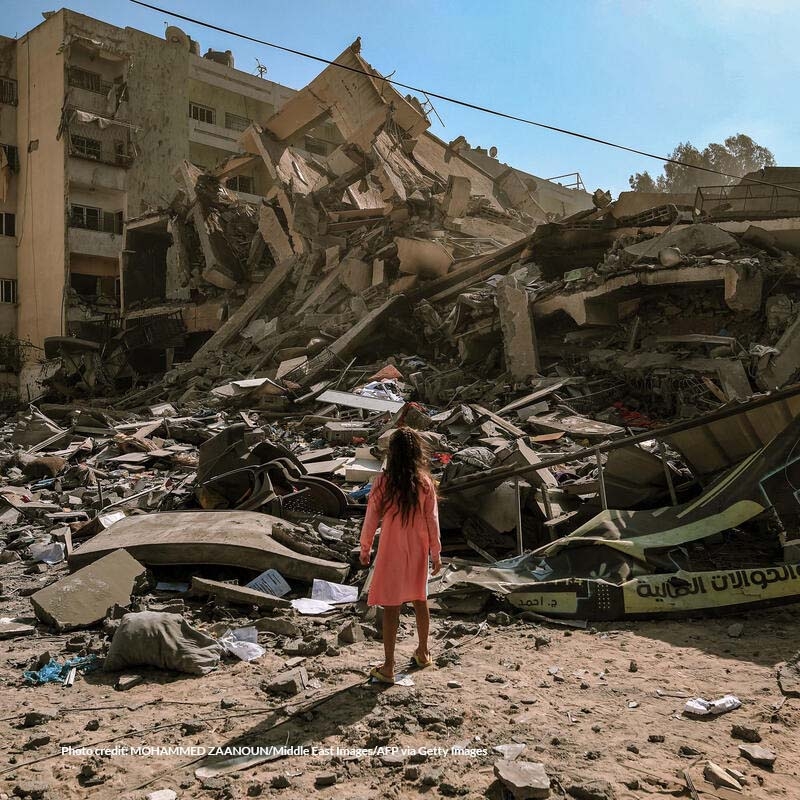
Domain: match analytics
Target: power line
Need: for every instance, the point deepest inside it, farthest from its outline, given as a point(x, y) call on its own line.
point(462, 103)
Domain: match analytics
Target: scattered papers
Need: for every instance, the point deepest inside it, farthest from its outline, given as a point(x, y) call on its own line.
point(270, 582)
point(242, 643)
point(699, 707)
point(305, 605)
point(333, 592)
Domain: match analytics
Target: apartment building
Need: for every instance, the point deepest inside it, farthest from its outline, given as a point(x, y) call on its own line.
point(93, 120)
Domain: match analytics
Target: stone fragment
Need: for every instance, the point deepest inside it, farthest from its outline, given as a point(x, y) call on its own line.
point(288, 683)
point(525, 780)
point(350, 633)
point(735, 630)
point(325, 779)
point(33, 718)
point(591, 790)
point(758, 755)
point(719, 777)
point(746, 733)
point(162, 794)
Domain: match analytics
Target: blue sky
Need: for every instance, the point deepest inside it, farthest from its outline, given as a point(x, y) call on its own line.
point(644, 73)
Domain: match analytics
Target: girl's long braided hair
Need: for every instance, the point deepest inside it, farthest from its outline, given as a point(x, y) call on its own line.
point(406, 470)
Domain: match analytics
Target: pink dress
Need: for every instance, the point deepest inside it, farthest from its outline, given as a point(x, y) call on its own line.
point(401, 565)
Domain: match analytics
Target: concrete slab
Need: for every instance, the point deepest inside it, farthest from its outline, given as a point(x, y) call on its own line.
point(229, 538)
point(81, 600)
point(238, 595)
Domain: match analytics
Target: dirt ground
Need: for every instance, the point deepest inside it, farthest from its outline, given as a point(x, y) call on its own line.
point(573, 697)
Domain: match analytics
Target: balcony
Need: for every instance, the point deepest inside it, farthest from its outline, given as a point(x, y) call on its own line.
point(88, 242)
point(214, 136)
point(111, 144)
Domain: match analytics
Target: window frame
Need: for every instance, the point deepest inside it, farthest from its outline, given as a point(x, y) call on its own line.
point(5, 217)
point(8, 91)
point(202, 111)
point(241, 123)
point(236, 179)
point(8, 291)
point(83, 152)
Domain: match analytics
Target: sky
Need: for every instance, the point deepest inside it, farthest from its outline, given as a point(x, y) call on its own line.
point(645, 73)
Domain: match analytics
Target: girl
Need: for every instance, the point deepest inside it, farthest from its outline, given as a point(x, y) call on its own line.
point(403, 497)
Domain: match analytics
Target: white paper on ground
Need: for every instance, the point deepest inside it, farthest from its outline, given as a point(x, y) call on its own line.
point(48, 553)
point(270, 582)
point(243, 643)
point(333, 592)
point(306, 605)
point(701, 708)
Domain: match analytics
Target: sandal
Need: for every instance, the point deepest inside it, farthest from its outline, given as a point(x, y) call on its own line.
point(380, 677)
point(420, 663)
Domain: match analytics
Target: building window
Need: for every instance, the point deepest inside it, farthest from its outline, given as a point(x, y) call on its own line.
point(235, 122)
point(86, 217)
point(201, 113)
point(242, 183)
point(8, 290)
point(8, 224)
point(87, 148)
point(12, 156)
point(91, 81)
point(8, 91)
point(95, 219)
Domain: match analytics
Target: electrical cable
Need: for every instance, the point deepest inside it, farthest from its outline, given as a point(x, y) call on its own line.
point(463, 103)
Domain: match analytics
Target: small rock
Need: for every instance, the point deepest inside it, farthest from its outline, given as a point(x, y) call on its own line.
point(92, 725)
point(431, 778)
point(411, 773)
point(524, 779)
point(655, 738)
point(685, 751)
point(735, 630)
point(454, 685)
point(33, 718)
point(280, 782)
point(350, 633)
point(128, 681)
point(228, 702)
point(162, 794)
point(300, 647)
point(193, 726)
point(591, 790)
point(255, 789)
point(392, 759)
point(36, 742)
point(632, 748)
point(633, 667)
point(719, 777)
point(745, 733)
point(277, 625)
point(325, 779)
point(758, 755)
point(288, 683)
point(31, 790)
point(492, 678)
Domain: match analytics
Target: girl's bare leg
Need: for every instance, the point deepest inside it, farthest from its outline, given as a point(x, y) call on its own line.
point(391, 621)
point(423, 615)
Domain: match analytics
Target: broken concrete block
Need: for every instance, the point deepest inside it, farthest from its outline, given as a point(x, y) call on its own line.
point(237, 595)
point(350, 633)
point(355, 274)
point(422, 257)
point(524, 779)
point(719, 777)
point(743, 288)
point(288, 683)
point(81, 600)
point(273, 234)
point(758, 755)
point(456, 198)
point(519, 335)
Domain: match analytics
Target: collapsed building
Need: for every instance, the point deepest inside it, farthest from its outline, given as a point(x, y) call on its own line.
point(607, 388)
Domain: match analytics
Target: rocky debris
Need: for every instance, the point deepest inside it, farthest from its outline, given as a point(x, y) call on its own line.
point(288, 683)
point(524, 779)
point(40, 717)
point(591, 790)
point(746, 733)
point(162, 794)
point(758, 755)
point(325, 779)
point(721, 777)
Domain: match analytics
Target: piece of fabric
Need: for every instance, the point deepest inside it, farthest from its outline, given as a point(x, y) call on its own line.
point(166, 641)
point(401, 564)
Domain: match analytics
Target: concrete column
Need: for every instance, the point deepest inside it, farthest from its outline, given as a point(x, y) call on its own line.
point(519, 335)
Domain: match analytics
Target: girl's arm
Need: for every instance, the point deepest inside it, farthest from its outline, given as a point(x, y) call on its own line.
point(371, 519)
point(432, 522)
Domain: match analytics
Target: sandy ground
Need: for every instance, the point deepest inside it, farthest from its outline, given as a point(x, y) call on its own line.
point(570, 696)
